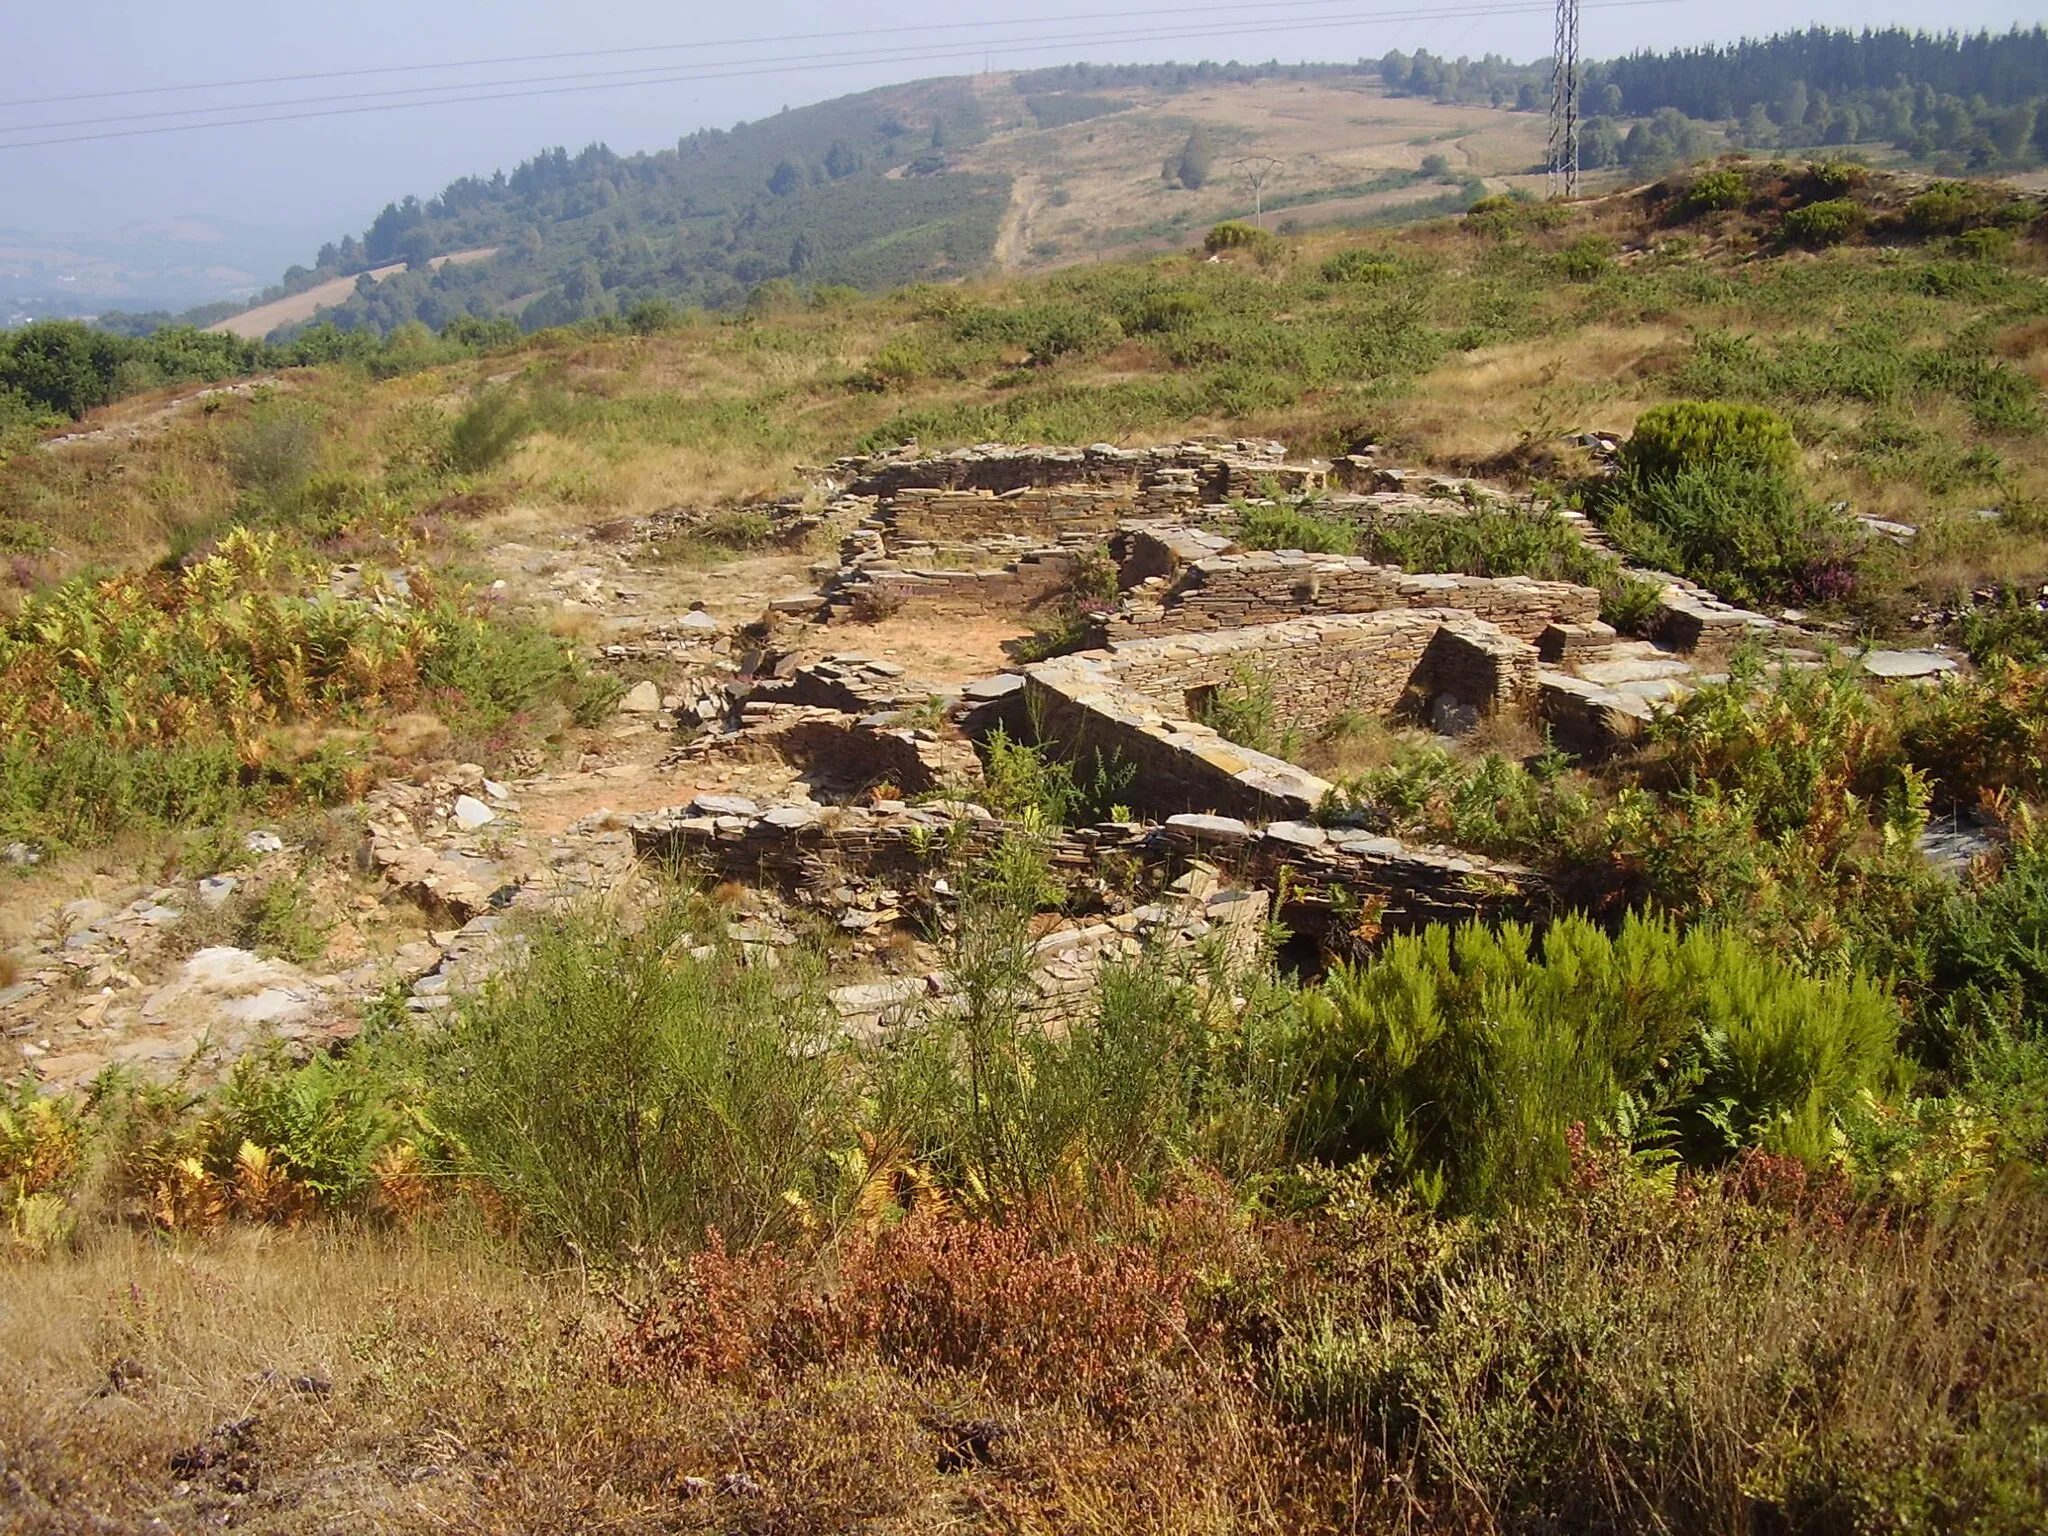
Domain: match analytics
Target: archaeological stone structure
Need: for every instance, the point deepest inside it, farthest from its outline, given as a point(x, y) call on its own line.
point(854, 798)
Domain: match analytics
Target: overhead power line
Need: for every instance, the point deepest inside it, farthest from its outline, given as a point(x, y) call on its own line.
point(698, 45)
point(379, 101)
point(670, 72)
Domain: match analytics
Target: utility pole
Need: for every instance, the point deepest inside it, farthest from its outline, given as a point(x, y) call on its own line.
point(1257, 170)
point(1561, 177)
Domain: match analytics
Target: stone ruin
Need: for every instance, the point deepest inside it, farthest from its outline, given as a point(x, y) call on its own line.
point(879, 800)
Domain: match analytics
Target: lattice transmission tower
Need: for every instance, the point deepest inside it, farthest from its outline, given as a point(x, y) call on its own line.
point(1563, 172)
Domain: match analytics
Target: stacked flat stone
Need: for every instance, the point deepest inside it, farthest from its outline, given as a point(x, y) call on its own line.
point(1263, 586)
point(1322, 871)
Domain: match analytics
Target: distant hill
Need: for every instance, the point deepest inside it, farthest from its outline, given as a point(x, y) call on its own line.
point(905, 184)
point(942, 178)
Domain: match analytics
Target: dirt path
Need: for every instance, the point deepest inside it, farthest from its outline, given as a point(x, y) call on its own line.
point(1013, 239)
point(255, 324)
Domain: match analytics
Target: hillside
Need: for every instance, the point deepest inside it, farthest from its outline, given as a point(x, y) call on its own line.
point(1025, 171)
point(1365, 880)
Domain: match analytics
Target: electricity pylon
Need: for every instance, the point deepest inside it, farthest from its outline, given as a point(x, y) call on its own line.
point(1562, 172)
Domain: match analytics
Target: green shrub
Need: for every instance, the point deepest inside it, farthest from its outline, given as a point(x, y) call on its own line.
point(1172, 311)
point(1629, 603)
point(1696, 434)
point(1537, 812)
point(1242, 709)
point(1586, 260)
point(488, 430)
point(1235, 235)
point(1492, 541)
point(1463, 1058)
point(1836, 178)
point(1986, 244)
point(1950, 207)
point(479, 333)
point(1021, 782)
point(624, 1092)
point(1360, 266)
point(2012, 629)
point(1749, 535)
point(1715, 191)
point(275, 450)
point(1295, 527)
point(1173, 1060)
point(1824, 223)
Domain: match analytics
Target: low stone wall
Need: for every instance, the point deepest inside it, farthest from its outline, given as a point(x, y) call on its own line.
point(1088, 714)
point(1042, 513)
point(1130, 703)
point(1231, 591)
point(832, 747)
point(1325, 871)
point(1319, 667)
point(1015, 587)
point(1211, 471)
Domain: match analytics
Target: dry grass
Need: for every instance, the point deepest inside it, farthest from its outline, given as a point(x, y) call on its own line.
point(1741, 1358)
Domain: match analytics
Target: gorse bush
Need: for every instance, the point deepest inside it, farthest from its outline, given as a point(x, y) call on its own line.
point(1295, 527)
point(1715, 191)
point(1463, 1057)
point(1950, 207)
point(1824, 223)
point(1235, 235)
point(1750, 535)
point(1669, 440)
point(488, 430)
point(632, 1091)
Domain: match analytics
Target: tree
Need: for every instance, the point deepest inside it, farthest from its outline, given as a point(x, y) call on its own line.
point(786, 180)
point(61, 365)
point(1790, 109)
point(2012, 129)
point(840, 160)
point(1525, 98)
point(416, 249)
point(1610, 99)
point(1197, 161)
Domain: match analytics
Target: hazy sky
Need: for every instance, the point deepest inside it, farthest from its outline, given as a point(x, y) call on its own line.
point(333, 173)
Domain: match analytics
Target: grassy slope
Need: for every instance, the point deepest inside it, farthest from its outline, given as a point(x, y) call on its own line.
point(1467, 348)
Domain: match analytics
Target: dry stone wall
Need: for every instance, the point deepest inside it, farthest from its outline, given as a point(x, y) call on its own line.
point(1204, 470)
point(1319, 667)
point(1130, 702)
point(1323, 870)
point(1231, 591)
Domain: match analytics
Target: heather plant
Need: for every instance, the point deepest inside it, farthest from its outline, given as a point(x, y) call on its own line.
point(1750, 535)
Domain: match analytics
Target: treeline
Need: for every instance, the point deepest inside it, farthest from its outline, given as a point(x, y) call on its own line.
point(1963, 102)
point(57, 369)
